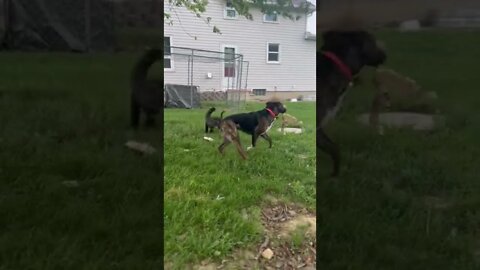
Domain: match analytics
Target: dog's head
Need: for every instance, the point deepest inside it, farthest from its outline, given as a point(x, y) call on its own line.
point(358, 44)
point(276, 107)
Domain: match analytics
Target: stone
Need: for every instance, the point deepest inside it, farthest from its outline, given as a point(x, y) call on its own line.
point(267, 254)
point(143, 148)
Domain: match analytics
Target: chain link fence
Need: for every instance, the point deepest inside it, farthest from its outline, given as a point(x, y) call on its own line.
point(80, 25)
point(121, 25)
point(211, 72)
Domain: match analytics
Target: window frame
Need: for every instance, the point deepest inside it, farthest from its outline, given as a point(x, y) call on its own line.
point(279, 52)
point(225, 12)
point(266, 21)
point(170, 57)
point(262, 90)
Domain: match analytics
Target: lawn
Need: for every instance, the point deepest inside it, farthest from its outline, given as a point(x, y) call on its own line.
point(408, 200)
point(213, 203)
point(64, 117)
point(405, 200)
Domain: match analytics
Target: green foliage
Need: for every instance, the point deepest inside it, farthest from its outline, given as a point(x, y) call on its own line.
point(283, 8)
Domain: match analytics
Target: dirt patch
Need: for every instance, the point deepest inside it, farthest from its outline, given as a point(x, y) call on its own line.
point(289, 234)
point(299, 222)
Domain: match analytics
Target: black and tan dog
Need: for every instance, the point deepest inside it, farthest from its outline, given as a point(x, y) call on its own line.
point(343, 54)
point(212, 122)
point(257, 124)
point(147, 94)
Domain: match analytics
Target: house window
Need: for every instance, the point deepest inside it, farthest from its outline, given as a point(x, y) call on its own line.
point(229, 65)
point(260, 92)
point(273, 53)
point(230, 12)
point(167, 54)
point(270, 18)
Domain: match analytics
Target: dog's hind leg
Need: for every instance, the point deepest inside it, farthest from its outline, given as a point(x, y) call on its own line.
point(328, 146)
point(134, 113)
point(269, 140)
point(240, 150)
point(222, 146)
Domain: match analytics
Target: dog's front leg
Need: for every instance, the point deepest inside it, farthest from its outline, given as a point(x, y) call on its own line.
point(260, 129)
point(254, 140)
point(328, 146)
point(269, 140)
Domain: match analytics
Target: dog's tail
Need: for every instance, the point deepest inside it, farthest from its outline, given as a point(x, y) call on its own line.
point(209, 112)
point(221, 114)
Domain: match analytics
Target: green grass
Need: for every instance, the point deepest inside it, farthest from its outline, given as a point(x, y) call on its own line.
point(64, 117)
point(374, 215)
point(212, 203)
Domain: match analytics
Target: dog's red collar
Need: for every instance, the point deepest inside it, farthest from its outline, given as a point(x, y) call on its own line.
point(343, 68)
point(271, 113)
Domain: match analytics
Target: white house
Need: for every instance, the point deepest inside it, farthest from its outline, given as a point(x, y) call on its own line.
point(280, 54)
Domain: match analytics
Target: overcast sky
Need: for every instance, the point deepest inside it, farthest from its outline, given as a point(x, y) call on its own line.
point(312, 21)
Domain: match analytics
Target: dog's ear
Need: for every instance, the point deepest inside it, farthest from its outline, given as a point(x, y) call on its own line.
point(372, 52)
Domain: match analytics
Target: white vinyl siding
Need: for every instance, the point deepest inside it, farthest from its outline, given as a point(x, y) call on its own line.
point(297, 70)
